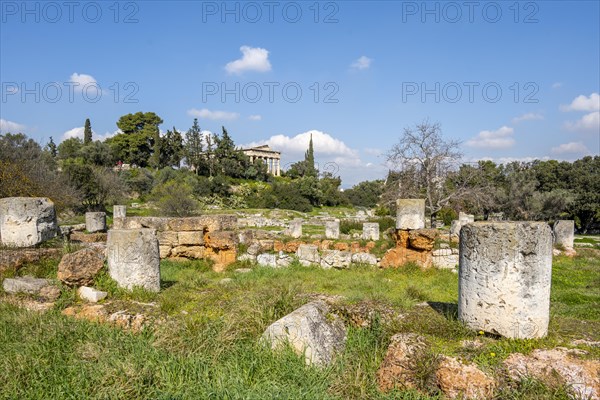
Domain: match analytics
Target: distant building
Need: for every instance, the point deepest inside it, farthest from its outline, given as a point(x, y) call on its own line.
point(270, 157)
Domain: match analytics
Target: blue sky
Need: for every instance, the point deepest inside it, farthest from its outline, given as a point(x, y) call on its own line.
point(511, 80)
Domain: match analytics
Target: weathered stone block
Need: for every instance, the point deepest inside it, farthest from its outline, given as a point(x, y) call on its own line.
point(267, 260)
point(133, 258)
point(90, 294)
point(26, 221)
point(119, 212)
point(364, 258)
point(564, 233)
point(167, 238)
point(336, 259)
point(410, 214)
point(295, 228)
point(194, 252)
point(332, 229)
point(370, 231)
point(192, 238)
point(24, 284)
point(422, 239)
point(311, 331)
point(80, 268)
point(95, 222)
point(505, 273)
point(308, 253)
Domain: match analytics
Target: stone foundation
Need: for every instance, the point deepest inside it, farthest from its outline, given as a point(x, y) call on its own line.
point(208, 236)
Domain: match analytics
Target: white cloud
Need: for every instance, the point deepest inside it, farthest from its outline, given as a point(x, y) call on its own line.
point(499, 139)
point(11, 127)
point(213, 115)
point(527, 117)
point(583, 103)
point(572, 147)
point(589, 122)
point(255, 117)
point(323, 143)
point(556, 85)
point(361, 63)
point(78, 133)
point(253, 59)
point(81, 80)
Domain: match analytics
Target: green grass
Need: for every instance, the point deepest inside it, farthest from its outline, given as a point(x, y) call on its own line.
point(208, 345)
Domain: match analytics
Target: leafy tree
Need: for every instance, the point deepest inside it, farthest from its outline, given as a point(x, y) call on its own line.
point(96, 153)
point(98, 185)
point(171, 149)
point(365, 194)
point(87, 132)
point(69, 148)
point(26, 170)
point(156, 157)
point(137, 142)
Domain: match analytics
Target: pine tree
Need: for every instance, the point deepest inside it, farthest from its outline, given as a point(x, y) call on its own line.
point(87, 132)
point(193, 147)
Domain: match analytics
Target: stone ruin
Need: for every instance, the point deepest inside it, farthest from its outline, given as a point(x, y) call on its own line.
point(462, 220)
point(332, 229)
point(564, 234)
point(26, 221)
point(133, 258)
point(294, 228)
point(95, 222)
point(414, 243)
point(410, 214)
point(207, 236)
point(504, 278)
point(370, 231)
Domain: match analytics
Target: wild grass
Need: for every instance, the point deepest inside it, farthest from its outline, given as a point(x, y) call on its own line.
point(208, 347)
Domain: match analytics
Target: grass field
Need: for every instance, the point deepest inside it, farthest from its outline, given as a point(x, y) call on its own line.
point(207, 346)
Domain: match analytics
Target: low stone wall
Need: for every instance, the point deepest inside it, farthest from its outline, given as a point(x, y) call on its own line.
point(207, 236)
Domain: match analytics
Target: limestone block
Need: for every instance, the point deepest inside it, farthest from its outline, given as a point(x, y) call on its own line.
point(311, 331)
point(133, 258)
point(167, 238)
point(564, 233)
point(336, 259)
point(27, 221)
point(90, 294)
point(191, 238)
point(505, 273)
point(364, 258)
point(410, 214)
point(119, 212)
point(295, 228)
point(332, 229)
point(95, 222)
point(308, 253)
point(267, 260)
point(24, 284)
point(370, 231)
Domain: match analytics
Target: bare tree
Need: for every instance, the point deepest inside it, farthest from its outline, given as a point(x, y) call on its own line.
point(421, 163)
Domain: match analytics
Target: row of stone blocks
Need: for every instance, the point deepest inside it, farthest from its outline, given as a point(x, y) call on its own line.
point(332, 229)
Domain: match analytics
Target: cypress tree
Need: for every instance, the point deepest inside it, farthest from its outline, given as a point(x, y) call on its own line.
point(87, 132)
